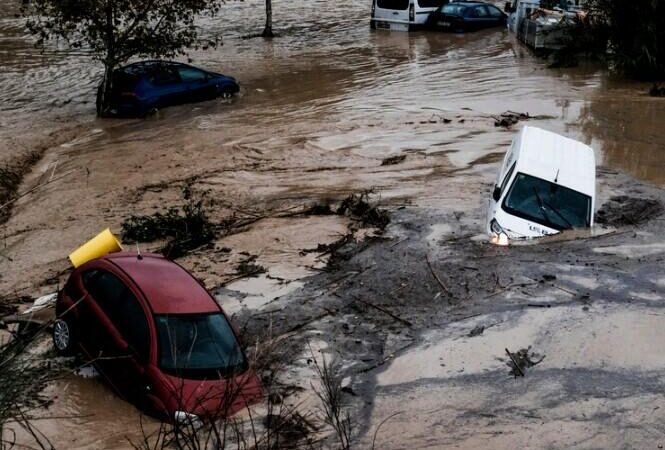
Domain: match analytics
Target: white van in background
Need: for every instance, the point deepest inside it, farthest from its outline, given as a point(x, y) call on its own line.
point(402, 15)
point(547, 184)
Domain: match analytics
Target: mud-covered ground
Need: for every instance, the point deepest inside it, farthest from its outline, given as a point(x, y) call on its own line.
point(321, 108)
point(433, 354)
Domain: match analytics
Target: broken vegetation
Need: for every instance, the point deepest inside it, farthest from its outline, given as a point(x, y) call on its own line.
point(11, 176)
point(393, 160)
point(23, 376)
point(185, 228)
point(521, 360)
point(358, 207)
point(248, 267)
point(623, 210)
point(510, 118)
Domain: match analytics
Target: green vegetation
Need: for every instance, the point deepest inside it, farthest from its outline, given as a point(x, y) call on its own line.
point(184, 228)
point(634, 33)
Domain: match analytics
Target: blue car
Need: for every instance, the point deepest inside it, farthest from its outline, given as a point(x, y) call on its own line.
point(466, 16)
point(142, 87)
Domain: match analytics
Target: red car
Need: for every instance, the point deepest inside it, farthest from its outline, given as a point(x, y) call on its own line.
point(157, 336)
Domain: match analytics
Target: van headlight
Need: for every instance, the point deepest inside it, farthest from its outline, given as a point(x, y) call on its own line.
point(183, 418)
point(497, 235)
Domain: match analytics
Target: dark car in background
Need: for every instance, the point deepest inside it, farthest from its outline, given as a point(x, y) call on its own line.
point(466, 16)
point(142, 87)
point(156, 336)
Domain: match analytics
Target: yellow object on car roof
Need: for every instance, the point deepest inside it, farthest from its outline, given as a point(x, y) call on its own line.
point(102, 244)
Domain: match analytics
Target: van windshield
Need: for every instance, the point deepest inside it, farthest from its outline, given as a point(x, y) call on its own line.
point(198, 346)
point(393, 4)
point(547, 203)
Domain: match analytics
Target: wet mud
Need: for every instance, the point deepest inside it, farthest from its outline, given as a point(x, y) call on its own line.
point(326, 110)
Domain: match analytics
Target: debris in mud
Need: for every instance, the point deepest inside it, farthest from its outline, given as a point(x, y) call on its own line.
point(292, 429)
point(185, 228)
point(623, 210)
point(477, 331)
point(355, 206)
point(358, 206)
point(393, 160)
point(331, 248)
point(657, 91)
point(522, 359)
point(320, 209)
point(510, 118)
point(480, 329)
point(11, 176)
point(248, 267)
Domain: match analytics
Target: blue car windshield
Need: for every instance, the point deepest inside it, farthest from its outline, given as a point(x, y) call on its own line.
point(198, 346)
point(454, 10)
point(547, 203)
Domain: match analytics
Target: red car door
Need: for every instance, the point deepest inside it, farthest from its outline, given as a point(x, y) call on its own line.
point(118, 340)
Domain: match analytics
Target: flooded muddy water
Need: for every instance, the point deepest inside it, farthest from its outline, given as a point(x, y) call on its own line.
point(321, 106)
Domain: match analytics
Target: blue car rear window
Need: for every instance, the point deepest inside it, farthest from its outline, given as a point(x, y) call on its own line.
point(457, 10)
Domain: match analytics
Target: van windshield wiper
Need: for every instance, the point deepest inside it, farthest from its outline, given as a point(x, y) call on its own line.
point(558, 213)
point(540, 204)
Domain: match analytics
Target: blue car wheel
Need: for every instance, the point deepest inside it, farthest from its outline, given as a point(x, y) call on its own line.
point(227, 90)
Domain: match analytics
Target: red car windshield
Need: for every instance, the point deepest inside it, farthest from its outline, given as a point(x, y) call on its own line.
point(198, 346)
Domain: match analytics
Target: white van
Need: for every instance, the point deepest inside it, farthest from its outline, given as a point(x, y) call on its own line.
point(402, 15)
point(547, 184)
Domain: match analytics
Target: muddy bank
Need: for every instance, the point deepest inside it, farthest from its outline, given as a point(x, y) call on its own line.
point(589, 303)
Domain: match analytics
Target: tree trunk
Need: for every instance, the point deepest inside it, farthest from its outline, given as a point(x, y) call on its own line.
point(267, 31)
point(104, 92)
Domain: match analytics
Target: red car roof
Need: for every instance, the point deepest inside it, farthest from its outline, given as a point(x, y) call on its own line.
point(168, 288)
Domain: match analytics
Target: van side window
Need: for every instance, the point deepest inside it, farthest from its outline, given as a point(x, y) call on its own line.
point(121, 307)
point(393, 4)
point(508, 175)
point(430, 3)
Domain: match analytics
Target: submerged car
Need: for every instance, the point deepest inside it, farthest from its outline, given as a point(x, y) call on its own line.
point(142, 87)
point(402, 15)
point(156, 335)
point(466, 16)
point(547, 184)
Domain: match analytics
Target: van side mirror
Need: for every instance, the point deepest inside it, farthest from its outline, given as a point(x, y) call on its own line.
point(496, 195)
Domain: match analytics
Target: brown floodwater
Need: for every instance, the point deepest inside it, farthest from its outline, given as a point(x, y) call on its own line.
point(321, 106)
point(327, 67)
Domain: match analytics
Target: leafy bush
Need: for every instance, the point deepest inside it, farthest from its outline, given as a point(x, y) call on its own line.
point(634, 32)
point(185, 228)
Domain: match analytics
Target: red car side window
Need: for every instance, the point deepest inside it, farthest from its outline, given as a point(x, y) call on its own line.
point(121, 307)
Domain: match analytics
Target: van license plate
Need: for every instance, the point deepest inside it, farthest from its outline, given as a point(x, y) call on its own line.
point(444, 24)
point(383, 25)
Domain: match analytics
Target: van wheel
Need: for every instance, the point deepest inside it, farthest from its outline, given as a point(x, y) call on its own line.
point(64, 338)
